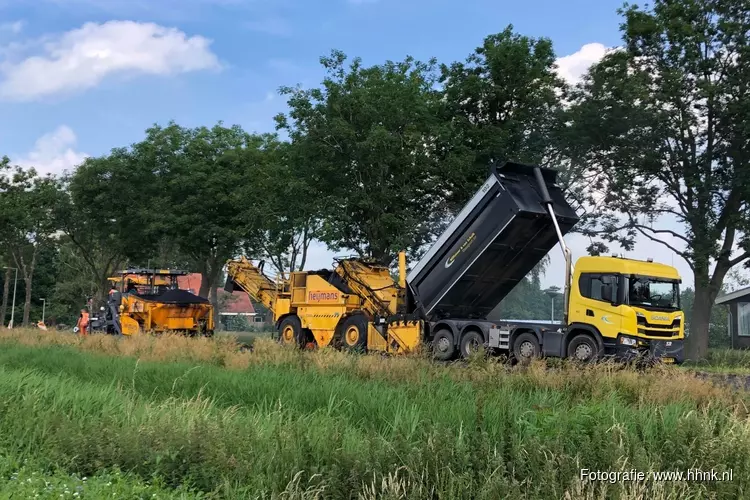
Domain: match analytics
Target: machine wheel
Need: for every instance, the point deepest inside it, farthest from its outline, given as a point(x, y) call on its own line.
point(583, 348)
point(290, 331)
point(354, 333)
point(443, 347)
point(526, 347)
point(471, 342)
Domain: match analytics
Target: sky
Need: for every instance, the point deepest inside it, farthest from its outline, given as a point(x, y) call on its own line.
point(80, 77)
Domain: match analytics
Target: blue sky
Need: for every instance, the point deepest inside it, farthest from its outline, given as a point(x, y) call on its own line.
point(79, 77)
point(260, 46)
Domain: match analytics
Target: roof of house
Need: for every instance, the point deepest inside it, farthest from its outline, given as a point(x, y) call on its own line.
point(734, 296)
point(237, 302)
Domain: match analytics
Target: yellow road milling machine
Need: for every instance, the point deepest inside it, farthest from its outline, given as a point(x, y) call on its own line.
point(613, 306)
point(150, 301)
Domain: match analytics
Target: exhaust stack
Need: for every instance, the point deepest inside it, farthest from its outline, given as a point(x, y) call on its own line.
point(547, 201)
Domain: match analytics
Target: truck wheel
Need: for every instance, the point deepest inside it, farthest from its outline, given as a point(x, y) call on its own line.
point(354, 333)
point(526, 347)
point(443, 347)
point(471, 342)
point(583, 348)
point(290, 331)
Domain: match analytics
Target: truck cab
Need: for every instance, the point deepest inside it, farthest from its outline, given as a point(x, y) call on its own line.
point(629, 307)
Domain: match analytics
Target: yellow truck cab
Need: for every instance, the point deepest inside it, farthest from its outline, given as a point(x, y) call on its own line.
point(628, 306)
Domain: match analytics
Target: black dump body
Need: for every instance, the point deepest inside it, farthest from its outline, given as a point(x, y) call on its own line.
point(492, 244)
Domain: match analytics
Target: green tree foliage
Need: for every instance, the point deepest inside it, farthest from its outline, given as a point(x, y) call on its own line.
point(109, 214)
point(291, 208)
point(368, 138)
point(27, 205)
point(664, 121)
point(502, 103)
point(74, 282)
point(208, 203)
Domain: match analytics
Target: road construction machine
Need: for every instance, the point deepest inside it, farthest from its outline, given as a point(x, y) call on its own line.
point(613, 306)
point(150, 301)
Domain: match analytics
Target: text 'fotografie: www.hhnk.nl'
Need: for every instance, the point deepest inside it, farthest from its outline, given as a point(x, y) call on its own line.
point(636, 475)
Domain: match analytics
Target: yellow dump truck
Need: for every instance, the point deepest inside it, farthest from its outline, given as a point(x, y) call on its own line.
point(613, 306)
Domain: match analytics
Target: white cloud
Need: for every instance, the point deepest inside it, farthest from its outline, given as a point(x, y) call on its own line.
point(572, 67)
point(54, 153)
point(14, 27)
point(81, 59)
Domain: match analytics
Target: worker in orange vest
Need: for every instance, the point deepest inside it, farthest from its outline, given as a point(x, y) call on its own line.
point(83, 323)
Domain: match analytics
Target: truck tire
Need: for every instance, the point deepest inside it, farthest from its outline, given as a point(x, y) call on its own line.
point(354, 333)
point(526, 347)
point(290, 331)
point(583, 348)
point(471, 342)
point(443, 346)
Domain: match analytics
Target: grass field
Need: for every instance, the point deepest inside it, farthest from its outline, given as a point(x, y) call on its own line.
point(182, 418)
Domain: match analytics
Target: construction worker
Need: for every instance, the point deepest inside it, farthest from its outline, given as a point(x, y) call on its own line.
point(83, 322)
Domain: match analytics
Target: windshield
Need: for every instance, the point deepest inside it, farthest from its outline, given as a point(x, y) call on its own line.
point(654, 292)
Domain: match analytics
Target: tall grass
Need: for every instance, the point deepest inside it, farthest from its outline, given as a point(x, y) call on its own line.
point(285, 424)
point(725, 361)
point(21, 479)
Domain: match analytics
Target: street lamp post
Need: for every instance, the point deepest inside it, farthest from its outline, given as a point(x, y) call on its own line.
point(552, 318)
point(13, 306)
point(552, 292)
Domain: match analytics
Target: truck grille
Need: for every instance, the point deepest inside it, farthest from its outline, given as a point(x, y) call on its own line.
point(653, 330)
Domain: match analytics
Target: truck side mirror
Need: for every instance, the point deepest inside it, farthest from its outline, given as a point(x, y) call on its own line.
point(607, 293)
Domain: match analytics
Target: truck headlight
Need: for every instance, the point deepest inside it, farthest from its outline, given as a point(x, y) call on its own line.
point(628, 341)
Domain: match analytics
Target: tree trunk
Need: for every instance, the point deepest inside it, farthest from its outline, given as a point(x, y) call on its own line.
point(215, 303)
point(305, 246)
point(206, 281)
point(6, 291)
point(28, 275)
point(696, 345)
point(27, 303)
point(209, 290)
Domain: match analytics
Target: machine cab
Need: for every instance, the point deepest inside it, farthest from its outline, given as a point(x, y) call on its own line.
point(627, 298)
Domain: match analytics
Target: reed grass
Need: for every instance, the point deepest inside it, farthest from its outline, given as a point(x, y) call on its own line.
point(278, 423)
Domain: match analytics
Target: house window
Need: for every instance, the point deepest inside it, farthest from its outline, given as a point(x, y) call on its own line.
point(743, 319)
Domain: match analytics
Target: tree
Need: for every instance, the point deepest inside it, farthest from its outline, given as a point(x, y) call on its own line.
point(503, 103)
point(110, 213)
point(27, 205)
point(368, 137)
point(664, 121)
point(206, 205)
point(73, 282)
point(291, 211)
